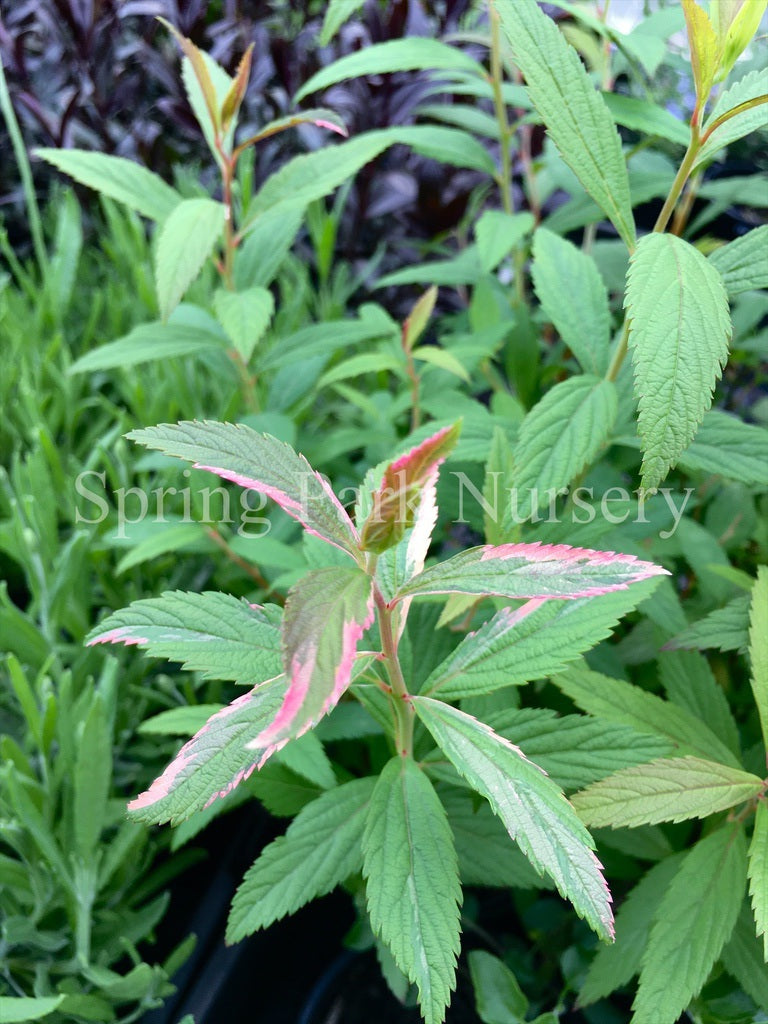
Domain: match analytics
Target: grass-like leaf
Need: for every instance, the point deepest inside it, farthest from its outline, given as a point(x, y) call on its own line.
point(533, 808)
point(680, 327)
point(412, 882)
point(320, 849)
point(669, 789)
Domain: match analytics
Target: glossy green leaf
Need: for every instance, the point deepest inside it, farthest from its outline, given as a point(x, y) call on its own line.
point(533, 809)
point(412, 882)
point(573, 111)
point(118, 178)
point(669, 789)
point(680, 327)
point(694, 921)
point(186, 241)
point(245, 316)
point(321, 848)
point(560, 436)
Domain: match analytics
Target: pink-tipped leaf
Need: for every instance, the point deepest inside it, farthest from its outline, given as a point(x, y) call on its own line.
point(531, 571)
point(258, 462)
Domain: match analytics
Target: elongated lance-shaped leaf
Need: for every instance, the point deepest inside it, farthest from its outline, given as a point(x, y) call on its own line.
point(325, 616)
point(704, 49)
point(320, 849)
point(395, 55)
point(615, 965)
point(574, 297)
point(758, 874)
point(729, 447)
point(747, 102)
point(533, 808)
point(573, 111)
point(669, 789)
point(260, 463)
point(393, 505)
point(758, 647)
point(618, 701)
point(744, 959)
point(680, 327)
point(742, 263)
point(118, 178)
point(560, 436)
point(214, 761)
point(724, 629)
point(531, 571)
point(691, 684)
point(185, 242)
point(216, 634)
point(694, 921)
point(412, 882)
point(517, 645)
point(322, 117)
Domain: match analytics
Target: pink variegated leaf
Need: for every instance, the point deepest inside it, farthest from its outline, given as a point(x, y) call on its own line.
point(394, 504)
point(533, 808)
point(259, 462)
point(219, 635)
point(214, 761)
point(325, 616)
point(322, 117)
point(531, 571)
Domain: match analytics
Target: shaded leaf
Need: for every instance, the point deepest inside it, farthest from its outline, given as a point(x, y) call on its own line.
point(185, 242)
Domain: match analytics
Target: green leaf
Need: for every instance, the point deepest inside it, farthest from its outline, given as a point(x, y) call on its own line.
point(743, 957)
point(727, 446)
point(704, 49)
point(320, 849)
point(385, 58)
point(325, 616)
point(680, 327)
point(412, 882)
point(725, 629)
point(261, 463)
point(245, 316)
point(561, 435)
point(615, 965)
point(575, 750)
point(511, 649)
point(742, 263)
point(758, 646)
point(365, 362)
point(617, 701)
point(573, 111)
point(323, 339)
point(185, 242)
point(322, 117)
point(740, 122)
point(263, 251)
point(15, 1010)
point(217, 634)
point(337, 12)
point(574, 298)
point(497, 233)
point(735, 22)
point(148, 342)
point(533, 809)
point(448, 145)
point(694, 921)
point(498, 997)
point(465, 268)
point(165, 537)
point(306, 756)
point(530, 571)
point(442, 359)
point(690, 683)
point(758, 874)
point(214, 761)
point(416, 322)
point(647, 117)
point(118, 178)
point(181, 721)
point(92, 778)
point(669, 789)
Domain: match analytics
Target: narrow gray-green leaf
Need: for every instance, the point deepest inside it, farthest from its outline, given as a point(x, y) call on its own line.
point(680, 327)
point(92, 776)
point(694, 921)
point(742, 263)
point(617, 701)
point(320, 849)
point(561, 435)
point(412, 882)
point(186, 241)
point(533, 808)
point(574, 112)
point(118, 178)
point(669, 789)
point(574, 298)
point(758, 874)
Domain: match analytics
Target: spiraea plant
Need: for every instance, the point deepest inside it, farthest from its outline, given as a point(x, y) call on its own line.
point(338, 639)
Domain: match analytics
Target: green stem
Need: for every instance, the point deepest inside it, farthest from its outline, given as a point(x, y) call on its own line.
point(401, 700)
point(25, 172)
point(620, 353)
point(505, 135)
point(681, 177)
